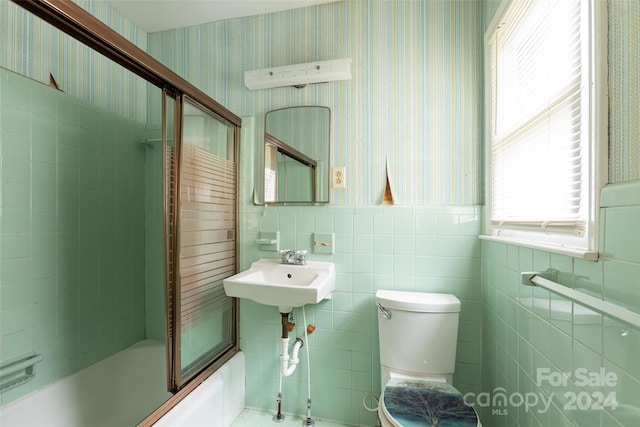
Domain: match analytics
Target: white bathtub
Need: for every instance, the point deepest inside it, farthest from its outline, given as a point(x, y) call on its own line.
point(118, 391)
point(216, 402)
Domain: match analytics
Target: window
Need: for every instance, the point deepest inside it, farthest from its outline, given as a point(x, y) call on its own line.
point(545, 116)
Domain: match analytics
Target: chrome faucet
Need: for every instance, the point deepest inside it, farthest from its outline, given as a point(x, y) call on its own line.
point(293, 257)
point(287, 256)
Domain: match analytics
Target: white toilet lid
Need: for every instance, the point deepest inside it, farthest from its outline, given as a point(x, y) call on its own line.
point(413, 403)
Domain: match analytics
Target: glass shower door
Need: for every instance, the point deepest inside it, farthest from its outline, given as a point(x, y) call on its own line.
point(206, 221)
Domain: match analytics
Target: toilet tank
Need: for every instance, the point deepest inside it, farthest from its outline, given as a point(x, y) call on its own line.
point(420, 337)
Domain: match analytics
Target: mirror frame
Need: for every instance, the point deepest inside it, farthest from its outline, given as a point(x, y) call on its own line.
point(282, 147)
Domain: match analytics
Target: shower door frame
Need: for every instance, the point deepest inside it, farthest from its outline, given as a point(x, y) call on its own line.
point(173, 256)
point(76, 22)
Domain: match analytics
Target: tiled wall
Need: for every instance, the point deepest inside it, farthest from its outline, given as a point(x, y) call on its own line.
point(526, 330)
point(402, 104)
point(426, 249)
point(415, 99)
point(395, 247)
point(71, 232)
point(154, 299)
point(421, 248)
point(35, 49)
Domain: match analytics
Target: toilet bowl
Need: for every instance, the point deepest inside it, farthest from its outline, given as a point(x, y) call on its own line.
point(418, 337)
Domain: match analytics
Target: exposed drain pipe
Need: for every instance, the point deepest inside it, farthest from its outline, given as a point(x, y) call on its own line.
point(290, 364)
point(287, 364)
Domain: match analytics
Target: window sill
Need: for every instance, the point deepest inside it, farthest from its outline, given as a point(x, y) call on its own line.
point(562, 250)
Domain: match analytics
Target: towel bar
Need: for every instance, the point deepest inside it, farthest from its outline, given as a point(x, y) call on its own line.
point(608, 309)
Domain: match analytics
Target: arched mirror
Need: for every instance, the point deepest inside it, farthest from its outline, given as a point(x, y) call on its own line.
point(296, 155)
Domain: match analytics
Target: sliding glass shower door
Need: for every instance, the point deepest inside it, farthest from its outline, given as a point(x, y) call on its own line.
point(204, 179)
point(80, 198)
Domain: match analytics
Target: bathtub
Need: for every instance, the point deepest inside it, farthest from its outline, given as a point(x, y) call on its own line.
point(218, 401)
point(120, 390)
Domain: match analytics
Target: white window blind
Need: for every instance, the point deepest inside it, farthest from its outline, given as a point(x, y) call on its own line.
point(539, 124)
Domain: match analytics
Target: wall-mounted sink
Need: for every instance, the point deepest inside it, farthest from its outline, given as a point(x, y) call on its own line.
point(269, 282)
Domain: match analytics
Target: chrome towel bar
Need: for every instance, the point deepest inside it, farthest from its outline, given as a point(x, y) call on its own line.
point(606, 308)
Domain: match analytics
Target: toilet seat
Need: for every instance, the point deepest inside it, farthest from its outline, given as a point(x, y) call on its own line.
point(412, 402)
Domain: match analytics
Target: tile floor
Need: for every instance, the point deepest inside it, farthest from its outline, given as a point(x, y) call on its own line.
point(256, 418)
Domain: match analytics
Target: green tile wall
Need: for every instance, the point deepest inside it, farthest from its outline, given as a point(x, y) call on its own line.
point(35, 49)
point(425, 249)
point(72, 240)
point(154, 229)
point(421, 245)
point(526, 329)
point(401, 104)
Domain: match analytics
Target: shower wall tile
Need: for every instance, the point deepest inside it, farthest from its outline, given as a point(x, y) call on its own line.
point(37, 50)
point(71, 249)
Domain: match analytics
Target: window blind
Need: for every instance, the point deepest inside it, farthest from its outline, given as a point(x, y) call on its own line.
point(539, 89)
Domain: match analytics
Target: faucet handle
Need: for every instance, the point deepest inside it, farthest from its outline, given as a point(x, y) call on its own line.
point(285, 253)
point(300, 256)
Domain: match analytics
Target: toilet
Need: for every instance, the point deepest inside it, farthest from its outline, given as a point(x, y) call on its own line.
point(418, 336)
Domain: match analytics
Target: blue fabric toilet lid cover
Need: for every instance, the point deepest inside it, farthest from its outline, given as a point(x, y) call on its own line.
point(415, 403)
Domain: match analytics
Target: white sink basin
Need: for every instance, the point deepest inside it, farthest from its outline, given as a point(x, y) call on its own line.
point(271, 283)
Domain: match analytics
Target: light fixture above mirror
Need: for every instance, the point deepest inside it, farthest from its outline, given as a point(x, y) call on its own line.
point(299, 75)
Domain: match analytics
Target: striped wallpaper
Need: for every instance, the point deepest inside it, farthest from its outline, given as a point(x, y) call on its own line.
point(624, 90)
point(415, 97)
point(34, 49)
point(414, 100)
point(402, 104)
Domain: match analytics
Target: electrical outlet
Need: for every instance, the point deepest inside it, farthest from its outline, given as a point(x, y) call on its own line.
point(337, 177)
